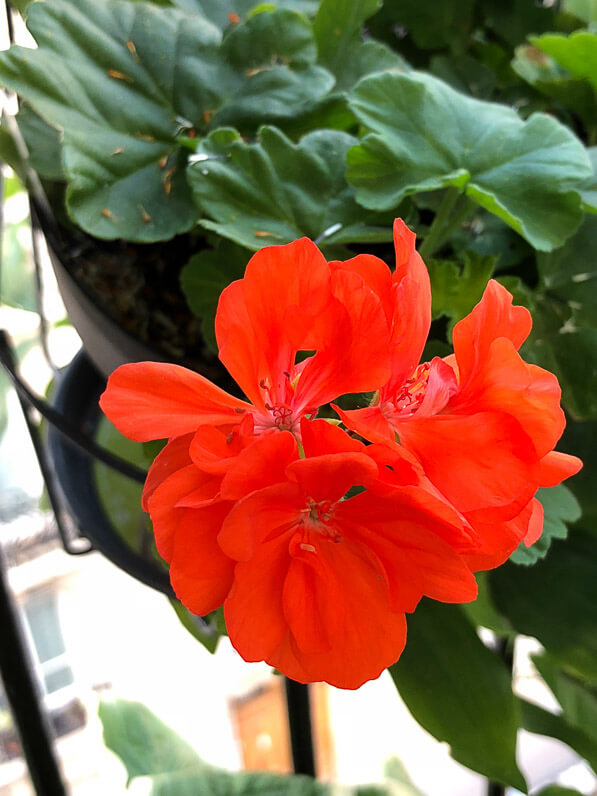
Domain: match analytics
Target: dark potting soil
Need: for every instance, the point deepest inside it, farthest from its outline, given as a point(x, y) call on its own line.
point(138, 286)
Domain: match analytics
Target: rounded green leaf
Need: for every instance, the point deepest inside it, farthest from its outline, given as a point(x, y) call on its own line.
point(123, 81)
point(274, 191)
point(426, 136)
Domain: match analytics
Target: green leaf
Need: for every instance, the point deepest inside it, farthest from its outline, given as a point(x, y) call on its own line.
point(223, 14)
point(554, 601)
point(43, 144)
point(337, 27)
point(560, 506)
point(583, 9)
point(338, 32)
point(206, 634)
point(205, 276)
point(460, 691)
point(98, 75)
point(577, 52)
point(216, 782)
point(433, 24)
point(540, 721)
point(579, 438)
point(273, 57)
point(577, 699)
point(556, 83)
point(145, 744)
point(514, 20)
point(426, 136)
point(588, 189)
point(464, 73)
point(482, 611)
point(455, 290)
point(273, 191)
point(556, 790)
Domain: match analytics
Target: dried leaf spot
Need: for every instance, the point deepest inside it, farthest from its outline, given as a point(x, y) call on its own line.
point(132, 49)
point(263, 234)
point(233, 18)
point(163, 161)
point(207, 115)
point(145, 215)
point(118, 151)
point(120, 76)
point(108, 214)
point(145, 137)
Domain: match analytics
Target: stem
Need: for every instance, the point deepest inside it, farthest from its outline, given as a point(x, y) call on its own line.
point(446, 221)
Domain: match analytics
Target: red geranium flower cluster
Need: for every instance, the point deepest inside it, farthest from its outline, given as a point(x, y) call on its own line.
point(316, 543)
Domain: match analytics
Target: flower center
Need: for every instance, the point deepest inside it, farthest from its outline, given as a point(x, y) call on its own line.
point(318, 518)
point(410, 397)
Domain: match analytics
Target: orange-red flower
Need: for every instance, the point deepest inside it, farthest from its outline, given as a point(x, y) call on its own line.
point(323, 580)
point(483, 423)
point(315, 542)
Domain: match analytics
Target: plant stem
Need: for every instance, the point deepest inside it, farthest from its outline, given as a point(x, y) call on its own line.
point(446, 221)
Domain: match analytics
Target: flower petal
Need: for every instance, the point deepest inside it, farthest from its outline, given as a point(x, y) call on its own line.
point(262, 464)
point(164, 508)
point(173, 456)
point(329, 477)
point(201, 574)
point(355, 355)
point(336, 605)
point(556, 466)
point(493, 317)
point(503, 382)
point(259, 517)
point(483, 462)
point(253, 609)
point(412, 307)
point(413, 535)
point(263, 319)
point(155, 400)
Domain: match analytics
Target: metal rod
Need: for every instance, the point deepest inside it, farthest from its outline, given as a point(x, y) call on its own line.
point(22, 695)
point(61, 423)
point(504, 647)
point(301, 731)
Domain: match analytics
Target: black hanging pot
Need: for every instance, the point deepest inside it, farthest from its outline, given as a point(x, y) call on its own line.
point(76, 398)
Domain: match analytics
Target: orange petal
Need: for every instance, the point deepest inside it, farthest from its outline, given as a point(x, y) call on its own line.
point(500, 539)
point(329, 477)
point(481, 463)
point(412, 307)
point(174, 456)
point(370, 423)
point(320, 437)
point(260, 516)
point(263, 319)
point(556, 466)
point(262, 464)
point(375, 274)
point(407, 533)
point(200, 573)
point(503, 382)
point(493, 317)
point(155, 400)
point(253, 610)
point(355, 356)
point(164, 504)
point(341, 629)
point(535, 527)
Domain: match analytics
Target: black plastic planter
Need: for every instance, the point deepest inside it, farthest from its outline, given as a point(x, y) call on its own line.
point(76, 397)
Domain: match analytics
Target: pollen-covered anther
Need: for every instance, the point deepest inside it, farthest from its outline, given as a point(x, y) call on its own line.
point(413, 391)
